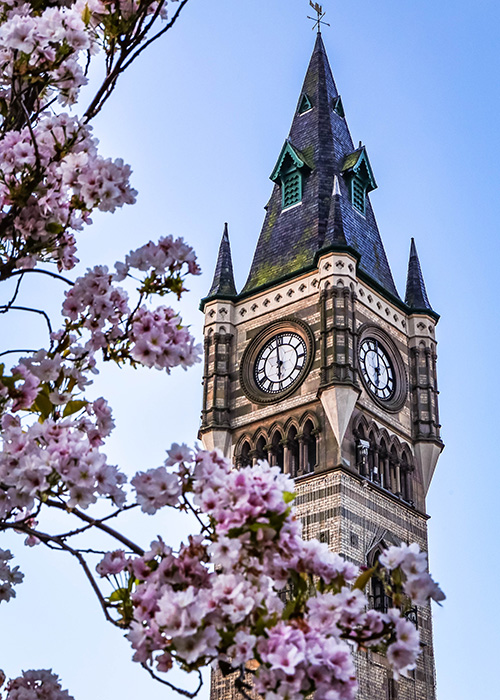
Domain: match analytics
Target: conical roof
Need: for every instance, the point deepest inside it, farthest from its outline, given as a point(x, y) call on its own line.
point(416, 294)
point(320, 142)
point(223, 282)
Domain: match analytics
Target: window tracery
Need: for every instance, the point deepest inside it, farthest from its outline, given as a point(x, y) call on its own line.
point(383, 460)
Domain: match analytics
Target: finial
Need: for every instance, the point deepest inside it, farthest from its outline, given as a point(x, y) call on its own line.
point(336, 187)
point(319, 16)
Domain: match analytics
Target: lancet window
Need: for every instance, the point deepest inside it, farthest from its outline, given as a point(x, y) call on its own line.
point(384, 461)
point(294, 449)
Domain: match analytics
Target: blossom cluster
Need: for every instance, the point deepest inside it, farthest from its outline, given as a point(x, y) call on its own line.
point(160, 341)
point(46, 45)
point(53, 458)
point(168, 255)
point(51, 178)
point(413, 564)
point(36, 685)
point(242, 590)
point(155, 337)
point(9, 576)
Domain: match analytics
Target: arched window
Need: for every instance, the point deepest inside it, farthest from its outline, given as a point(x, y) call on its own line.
point(394, 469)
point(310, 449)
point(293, 451)
point(277, 449)
point(260, 448)
point(383, 461)
point(244, 457)
point(373, 470)
point(406, 485)
point(379, 599)
point(362, 448)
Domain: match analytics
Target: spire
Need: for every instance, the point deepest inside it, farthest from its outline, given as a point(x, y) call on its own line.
point(335, 228)
point(416, 295)
point(302, 209)
point(223, 282)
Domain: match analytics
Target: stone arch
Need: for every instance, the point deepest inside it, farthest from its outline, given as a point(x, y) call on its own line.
point(243, 452)
point(292, 461)
point(406, 475)
point(277, 449)
point(310, 446)
point(261, 447)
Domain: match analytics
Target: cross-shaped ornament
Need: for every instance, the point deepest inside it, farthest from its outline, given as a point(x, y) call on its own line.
point(318, 21)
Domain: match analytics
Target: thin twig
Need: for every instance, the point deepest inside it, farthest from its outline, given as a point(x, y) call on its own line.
point(110, 80)
point(181, 691)
point(16, 292)
point(13, 352)
point(50, 541)
point(195, 513)
point(4, 308)
point(43, 272)
point(92, 524)
point(100, 526)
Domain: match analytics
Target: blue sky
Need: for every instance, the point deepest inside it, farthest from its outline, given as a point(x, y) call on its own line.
point(201, 118)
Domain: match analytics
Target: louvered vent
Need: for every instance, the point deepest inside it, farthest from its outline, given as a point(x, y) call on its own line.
point(292, 189)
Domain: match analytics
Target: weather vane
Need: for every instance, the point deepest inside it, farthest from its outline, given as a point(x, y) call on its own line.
point(318, 20)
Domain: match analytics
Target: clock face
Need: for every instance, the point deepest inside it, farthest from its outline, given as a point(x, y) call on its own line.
point(280, 362)
point(376, 369)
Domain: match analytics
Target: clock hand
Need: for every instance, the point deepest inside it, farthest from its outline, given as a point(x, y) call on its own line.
point(279, 361)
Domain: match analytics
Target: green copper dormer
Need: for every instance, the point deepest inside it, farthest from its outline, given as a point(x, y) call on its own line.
point(358, 172)
point(289, 173)
point(305, 104)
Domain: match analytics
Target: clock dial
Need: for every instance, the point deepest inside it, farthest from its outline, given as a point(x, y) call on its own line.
point(280, 362)
point(376, 369)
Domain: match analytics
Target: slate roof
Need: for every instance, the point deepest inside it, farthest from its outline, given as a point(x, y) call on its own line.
point(290, 239)
point(416, 294)
point(223, 282)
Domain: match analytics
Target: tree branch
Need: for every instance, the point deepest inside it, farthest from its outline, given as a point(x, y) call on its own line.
point(43, 272)
point(50, 541)
point(13, 352)
point(92, 524)
point(7, 307)
point(110, 80)
point(100, 526)
point(181, 691)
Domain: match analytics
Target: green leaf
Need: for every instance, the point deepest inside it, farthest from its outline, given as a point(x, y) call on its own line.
point(364, 577)
point(73, 406)
point(54, 227)
point(86, 15)
point(288, 496)
point(119, 594)
point(290, 608)
point(43, 405)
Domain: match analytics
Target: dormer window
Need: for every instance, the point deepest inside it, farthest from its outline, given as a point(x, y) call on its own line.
point(358, 193)
point(305, 104)
point(357, 170)
point(289, 174)
point(291, 184)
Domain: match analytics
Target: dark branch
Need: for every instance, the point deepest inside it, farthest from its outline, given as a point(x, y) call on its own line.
point(7, 307)
point(181, 691)
point(43, 272)
point(13, 352)
point(110, 80)
point(56, 543)
point(78, 531)
point(100, 526)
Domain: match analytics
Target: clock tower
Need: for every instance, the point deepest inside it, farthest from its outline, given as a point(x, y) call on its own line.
point(319, 366)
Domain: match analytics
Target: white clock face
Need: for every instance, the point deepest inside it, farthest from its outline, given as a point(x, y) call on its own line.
point(280, 362)
point(376, 369)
